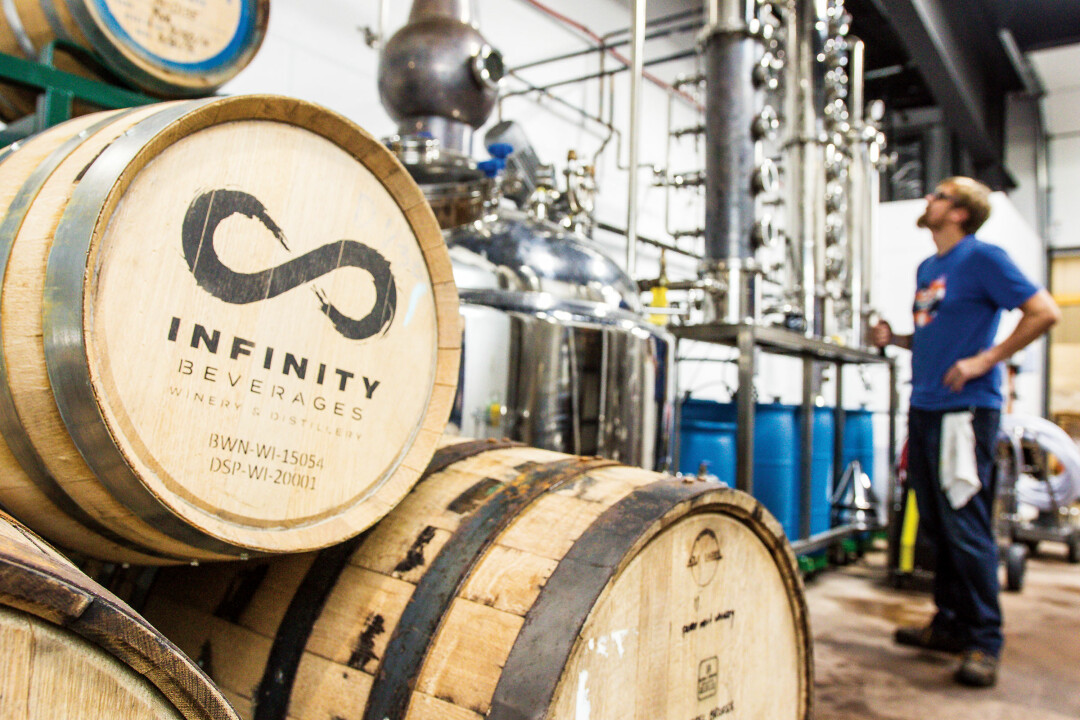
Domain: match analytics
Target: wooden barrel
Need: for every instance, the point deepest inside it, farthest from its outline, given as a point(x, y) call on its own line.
point(514, 583)
point(167, 48)
point(227, 326)
point(71, 649)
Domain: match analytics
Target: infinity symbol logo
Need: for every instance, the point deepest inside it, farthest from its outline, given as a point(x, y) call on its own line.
point(211, 208)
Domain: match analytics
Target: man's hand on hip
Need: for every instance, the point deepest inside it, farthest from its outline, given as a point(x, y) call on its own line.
point(968, 369)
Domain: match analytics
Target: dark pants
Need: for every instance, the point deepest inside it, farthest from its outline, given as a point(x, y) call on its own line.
point(966, 572)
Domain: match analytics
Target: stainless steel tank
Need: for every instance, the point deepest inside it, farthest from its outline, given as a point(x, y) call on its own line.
point(556, 351)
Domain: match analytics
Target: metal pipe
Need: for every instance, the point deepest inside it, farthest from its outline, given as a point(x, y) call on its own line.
point(745, 410)
point(805, 161)
point(601, 43)
point(729, 139)
point(667, 167)
point(1042, 198)
point(871, 201)
point(857, 192)
point(681, 55)
point(839, 427)
point(892, 503)
point(636, 61)
point(857, 209)
point(664, 32)
point(376, 38)
point(661, 21)
point(806, 448)
point(857, 77)
point(648, 241)
point(831, 537)
point(464, 11)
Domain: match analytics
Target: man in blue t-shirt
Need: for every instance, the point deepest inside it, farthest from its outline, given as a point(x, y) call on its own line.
point(956, 385)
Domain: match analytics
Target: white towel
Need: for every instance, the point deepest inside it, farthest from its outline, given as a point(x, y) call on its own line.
point(958, 471)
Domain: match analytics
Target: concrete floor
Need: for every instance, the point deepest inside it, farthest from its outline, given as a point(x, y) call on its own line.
point(862, 675)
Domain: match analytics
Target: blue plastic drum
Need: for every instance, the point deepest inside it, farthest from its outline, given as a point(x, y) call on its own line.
point(709, 442)
point(859, 439)
point(821, 462)
point(708, 433)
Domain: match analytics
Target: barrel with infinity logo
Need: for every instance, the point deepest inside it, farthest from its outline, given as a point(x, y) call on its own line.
point(228, 326)
point(71, 649)
point(167, 48)
point(512, 583)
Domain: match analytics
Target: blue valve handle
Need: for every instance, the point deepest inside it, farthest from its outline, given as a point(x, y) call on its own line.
point(491, 168)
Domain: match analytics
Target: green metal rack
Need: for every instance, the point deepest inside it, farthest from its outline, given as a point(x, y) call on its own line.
point(58, 90)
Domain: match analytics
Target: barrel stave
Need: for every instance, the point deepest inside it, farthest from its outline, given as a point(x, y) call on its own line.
point(464, 664)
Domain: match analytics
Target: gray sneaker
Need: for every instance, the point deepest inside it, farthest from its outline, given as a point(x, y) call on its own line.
point(977, 669)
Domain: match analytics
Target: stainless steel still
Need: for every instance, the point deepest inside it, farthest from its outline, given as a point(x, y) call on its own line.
point(438, 75)
point(556, 351)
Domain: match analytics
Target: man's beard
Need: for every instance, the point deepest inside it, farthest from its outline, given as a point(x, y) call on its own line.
point(924, 221)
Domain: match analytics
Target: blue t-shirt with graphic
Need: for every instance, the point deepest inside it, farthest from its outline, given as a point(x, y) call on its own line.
point(958, 305)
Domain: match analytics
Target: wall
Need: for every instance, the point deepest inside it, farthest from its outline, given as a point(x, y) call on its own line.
point(1064, 179)
point(1061, 107)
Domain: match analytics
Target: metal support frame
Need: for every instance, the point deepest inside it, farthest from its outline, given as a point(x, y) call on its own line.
point(744, 431)
point(893, 502)
point(59, 90)
point(806, 448)
point(748, 339)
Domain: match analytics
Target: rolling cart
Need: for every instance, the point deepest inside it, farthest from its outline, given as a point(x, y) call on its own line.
point(1039, 458)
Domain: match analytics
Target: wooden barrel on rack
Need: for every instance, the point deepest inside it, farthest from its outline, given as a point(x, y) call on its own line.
point(169, 49)
point(513, 583)
point(227, 326)
point(73, 650)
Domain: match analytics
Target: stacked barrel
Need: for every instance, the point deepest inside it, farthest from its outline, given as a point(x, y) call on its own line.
point(74, 650)
point(229, 332)
point(513, 583)
point(165, 48)
point(228, 327)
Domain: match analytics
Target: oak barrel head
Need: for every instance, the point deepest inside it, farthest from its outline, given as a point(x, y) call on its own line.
point(183, 48)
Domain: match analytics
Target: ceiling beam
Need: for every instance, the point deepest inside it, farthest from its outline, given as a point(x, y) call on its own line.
point(1040, 24)
point(954, 71)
